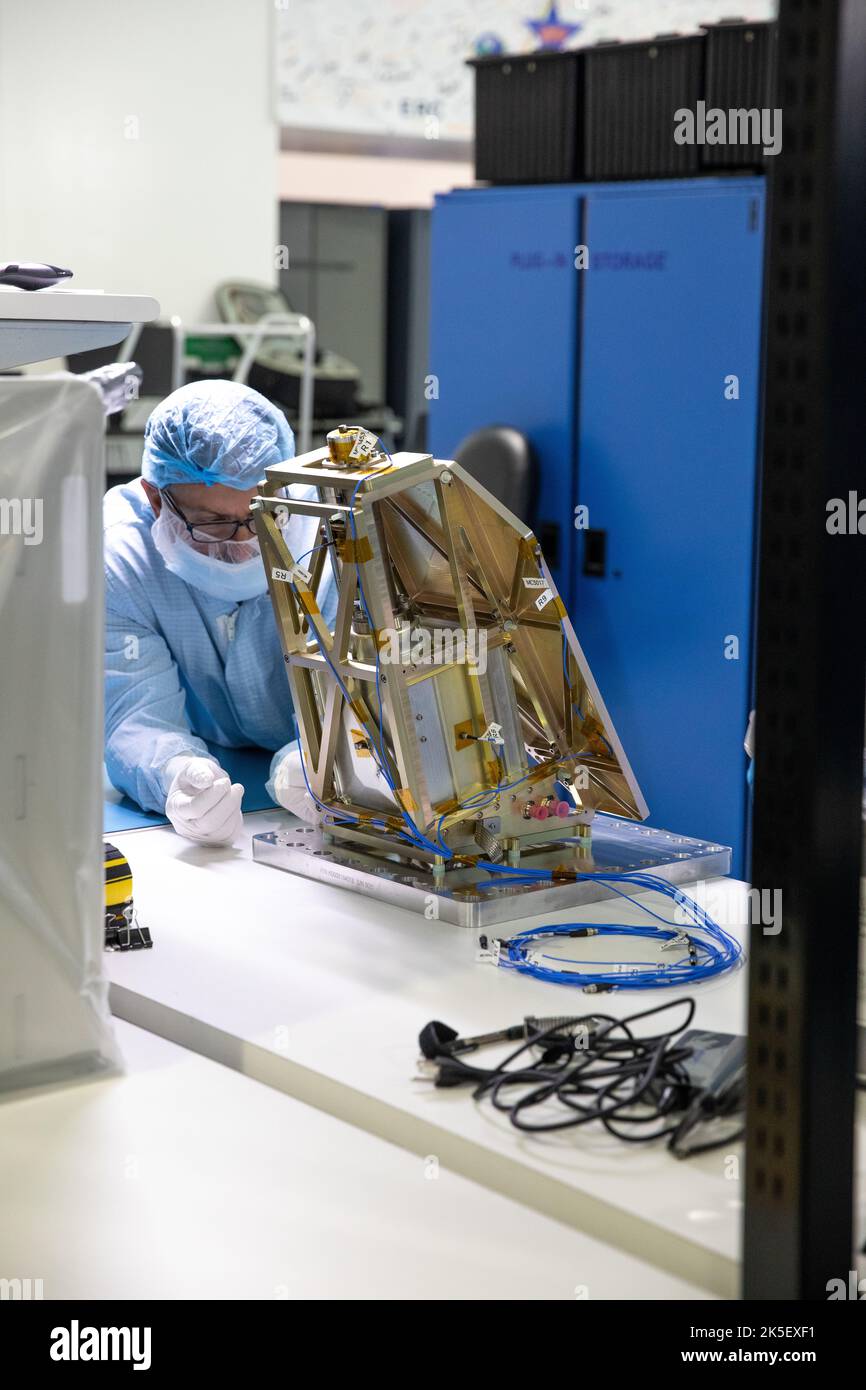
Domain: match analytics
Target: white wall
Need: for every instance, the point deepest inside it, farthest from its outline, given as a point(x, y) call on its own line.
point(389, 182)
point(137, 143)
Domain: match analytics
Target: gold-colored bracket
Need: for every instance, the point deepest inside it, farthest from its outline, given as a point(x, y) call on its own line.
point(464, 735)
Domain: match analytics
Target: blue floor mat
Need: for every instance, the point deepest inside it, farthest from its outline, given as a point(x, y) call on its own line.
point(247, 765)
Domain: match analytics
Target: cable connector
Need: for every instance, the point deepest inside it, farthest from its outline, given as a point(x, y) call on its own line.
point(490, 951)
point(584, 931)
point(599, 989)
point(681, 939)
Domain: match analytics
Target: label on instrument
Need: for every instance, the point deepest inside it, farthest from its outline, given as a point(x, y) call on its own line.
point(535, 583)
point(365, 444)
point(544, 599)
point(291, 576)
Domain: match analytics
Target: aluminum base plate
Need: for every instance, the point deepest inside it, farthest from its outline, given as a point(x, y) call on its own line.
point(468, 897)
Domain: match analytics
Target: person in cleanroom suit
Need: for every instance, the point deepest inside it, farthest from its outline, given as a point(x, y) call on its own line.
point(191, 645)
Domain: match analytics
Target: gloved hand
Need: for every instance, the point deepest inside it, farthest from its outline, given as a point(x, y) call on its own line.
point(202, 804)
point(286, 785)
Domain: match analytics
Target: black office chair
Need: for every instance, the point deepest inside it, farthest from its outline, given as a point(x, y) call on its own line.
point(501, 459)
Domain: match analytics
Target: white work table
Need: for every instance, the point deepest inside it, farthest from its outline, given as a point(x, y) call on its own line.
point(183, 1179)
point(321, 993)
point(39, 324)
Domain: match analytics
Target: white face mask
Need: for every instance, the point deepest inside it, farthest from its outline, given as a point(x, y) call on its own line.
point(230, 570)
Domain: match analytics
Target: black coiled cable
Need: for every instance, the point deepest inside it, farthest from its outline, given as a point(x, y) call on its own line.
point(596, 1069)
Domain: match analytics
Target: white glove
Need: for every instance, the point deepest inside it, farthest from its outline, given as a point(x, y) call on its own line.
point(202, 804)
point(287, 786)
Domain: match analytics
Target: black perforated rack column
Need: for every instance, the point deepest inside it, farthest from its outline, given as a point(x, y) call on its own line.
point(810, 667)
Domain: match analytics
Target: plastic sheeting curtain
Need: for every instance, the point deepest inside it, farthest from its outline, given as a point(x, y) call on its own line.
point(54, 1019)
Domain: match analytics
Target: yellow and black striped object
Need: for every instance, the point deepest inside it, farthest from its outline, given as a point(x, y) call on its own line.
point(122, 929)
point(118, 878)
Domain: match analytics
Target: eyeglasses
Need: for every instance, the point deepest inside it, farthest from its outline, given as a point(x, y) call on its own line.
point(207, 532)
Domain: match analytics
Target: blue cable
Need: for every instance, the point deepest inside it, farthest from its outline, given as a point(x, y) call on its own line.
point(342, 815)
point(712, 954)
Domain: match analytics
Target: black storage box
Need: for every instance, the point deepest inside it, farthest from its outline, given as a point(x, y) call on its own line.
point(631, 92)
point(526, 118)
point(740, 74)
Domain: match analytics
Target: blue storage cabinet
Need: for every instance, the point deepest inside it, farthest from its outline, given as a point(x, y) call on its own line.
point(620, 375)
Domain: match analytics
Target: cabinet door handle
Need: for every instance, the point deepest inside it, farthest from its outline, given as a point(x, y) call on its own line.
point(595, 553)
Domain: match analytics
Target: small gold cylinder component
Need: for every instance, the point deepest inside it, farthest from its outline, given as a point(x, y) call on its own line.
point(340, 442)
point(352, 446)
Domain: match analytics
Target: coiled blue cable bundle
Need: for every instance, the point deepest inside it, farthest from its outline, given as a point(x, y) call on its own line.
point(710, 949)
